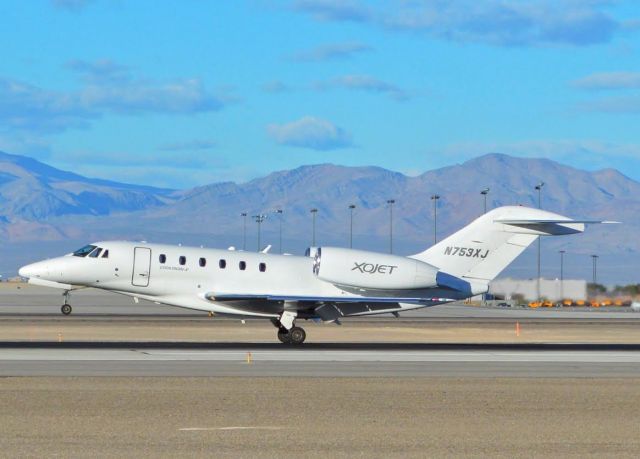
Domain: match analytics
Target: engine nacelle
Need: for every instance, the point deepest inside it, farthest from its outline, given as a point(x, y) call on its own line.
point(371, 270)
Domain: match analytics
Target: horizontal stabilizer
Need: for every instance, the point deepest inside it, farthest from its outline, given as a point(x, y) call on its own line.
point(543, 222)
point(546, 226)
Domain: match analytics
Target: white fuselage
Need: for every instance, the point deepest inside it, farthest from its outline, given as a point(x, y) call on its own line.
point(135, 269)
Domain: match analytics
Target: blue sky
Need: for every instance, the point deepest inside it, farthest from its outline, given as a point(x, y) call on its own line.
point(183, 93)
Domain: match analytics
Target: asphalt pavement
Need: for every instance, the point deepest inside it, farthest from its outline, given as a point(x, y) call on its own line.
point(347, 360)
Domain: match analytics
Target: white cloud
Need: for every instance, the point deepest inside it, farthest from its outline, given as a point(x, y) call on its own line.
point(100, 70)
point(495, 22)
point(20, 144)
point(609, 80)
point(30, 108)
point(333, 10)
point(178, 96)
point(70, 4)
point(107, 88)
point(275, 87)
point(365, 83)
point(198, 144)
point(332, 51)
point(176, 160)
point(627, 104)
point(310, 132)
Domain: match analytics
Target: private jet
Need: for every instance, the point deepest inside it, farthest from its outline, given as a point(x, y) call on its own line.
point(326, 284)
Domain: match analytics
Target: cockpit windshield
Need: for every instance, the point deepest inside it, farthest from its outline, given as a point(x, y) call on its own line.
point(96, 253)
point(83, 252)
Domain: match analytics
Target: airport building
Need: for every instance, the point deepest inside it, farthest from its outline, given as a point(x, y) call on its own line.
point(550, 289)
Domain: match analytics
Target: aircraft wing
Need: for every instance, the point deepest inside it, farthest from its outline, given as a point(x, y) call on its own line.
point(331, 309)
point(222, 297)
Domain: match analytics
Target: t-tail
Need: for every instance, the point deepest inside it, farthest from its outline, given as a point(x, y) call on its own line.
point(480, 251)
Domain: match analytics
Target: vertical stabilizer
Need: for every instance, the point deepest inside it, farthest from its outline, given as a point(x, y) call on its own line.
point(484, 248)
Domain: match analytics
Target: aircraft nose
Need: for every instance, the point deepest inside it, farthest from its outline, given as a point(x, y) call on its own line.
point(34, 270)
point(25, 271)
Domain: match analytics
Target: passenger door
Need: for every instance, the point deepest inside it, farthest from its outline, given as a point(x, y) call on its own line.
point(141, 266)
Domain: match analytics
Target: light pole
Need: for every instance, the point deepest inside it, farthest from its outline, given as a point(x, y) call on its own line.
point(259, 219)
point(435, 198)
point(279, 212)
point(351, 207)
point(313, 211)
point(244, 230)
point(391, 202)
point(539, 189)
point(562, 252)
point(595, 269)
point(484, 193)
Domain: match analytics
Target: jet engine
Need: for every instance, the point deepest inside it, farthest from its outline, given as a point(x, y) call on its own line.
point(371, 270)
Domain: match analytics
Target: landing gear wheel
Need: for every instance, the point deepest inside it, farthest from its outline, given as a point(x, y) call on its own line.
point(297, 335)
point(66, 309)
point(284, 337)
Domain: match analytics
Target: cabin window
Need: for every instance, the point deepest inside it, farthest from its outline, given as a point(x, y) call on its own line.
point(182, 260)
point(84, 251)
point(96, 253)
point(243, 265)
point(222, 264)
point(203, 262)
point(262, 267)
point(105, 254)
point(162, 258)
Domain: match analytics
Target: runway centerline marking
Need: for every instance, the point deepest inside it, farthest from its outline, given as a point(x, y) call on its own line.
point(201, 429)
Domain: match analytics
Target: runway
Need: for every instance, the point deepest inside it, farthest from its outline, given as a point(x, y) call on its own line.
point(146, 380)
point(110, 335)
point(24, 300)
point(348, 360)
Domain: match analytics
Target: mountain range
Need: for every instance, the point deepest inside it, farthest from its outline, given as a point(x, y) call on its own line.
point(44, 211)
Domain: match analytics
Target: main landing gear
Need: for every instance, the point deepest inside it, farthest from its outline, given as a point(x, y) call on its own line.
point(66, 307)
point(288, 333)
point(296, 335)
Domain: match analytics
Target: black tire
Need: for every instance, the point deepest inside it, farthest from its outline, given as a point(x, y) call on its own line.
point(297, 335)
point(66, 309)
point(284, 337)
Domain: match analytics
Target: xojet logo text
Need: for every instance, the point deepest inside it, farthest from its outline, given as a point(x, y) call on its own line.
point(371, 268)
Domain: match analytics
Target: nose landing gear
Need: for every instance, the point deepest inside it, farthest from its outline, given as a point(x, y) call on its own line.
point(66, 307)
